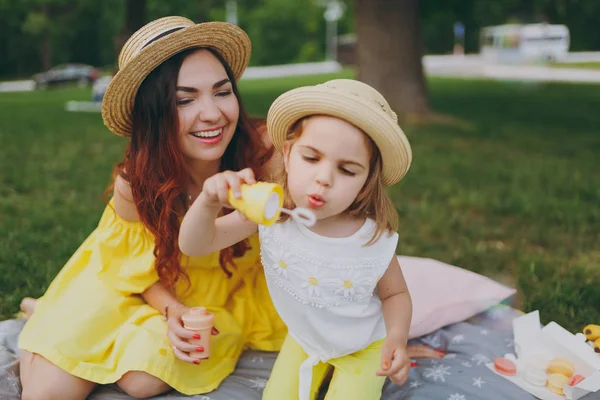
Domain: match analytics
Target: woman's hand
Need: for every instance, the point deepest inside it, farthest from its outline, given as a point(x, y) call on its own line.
point(215, 191)
point(179, 336)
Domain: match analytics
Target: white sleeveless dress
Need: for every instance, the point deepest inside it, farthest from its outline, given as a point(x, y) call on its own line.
point(324, 289)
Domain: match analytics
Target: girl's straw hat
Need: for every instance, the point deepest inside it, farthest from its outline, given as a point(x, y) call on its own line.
point(156, 42)
point(352, 101)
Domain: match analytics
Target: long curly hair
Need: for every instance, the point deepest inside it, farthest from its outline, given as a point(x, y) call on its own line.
point(155, 168)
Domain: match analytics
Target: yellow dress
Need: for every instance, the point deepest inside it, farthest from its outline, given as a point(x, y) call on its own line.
point(92, 323)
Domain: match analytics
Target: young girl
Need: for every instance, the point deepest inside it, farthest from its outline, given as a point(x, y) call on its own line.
point(338, 285)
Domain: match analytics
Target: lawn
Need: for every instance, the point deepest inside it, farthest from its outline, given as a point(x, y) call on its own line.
point(580, 65)
point(511, 190)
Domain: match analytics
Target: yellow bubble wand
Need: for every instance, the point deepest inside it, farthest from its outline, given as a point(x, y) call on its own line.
point(262, 203)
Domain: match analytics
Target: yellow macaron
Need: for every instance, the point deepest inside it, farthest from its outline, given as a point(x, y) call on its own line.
point(561, 366)
point(556, 382)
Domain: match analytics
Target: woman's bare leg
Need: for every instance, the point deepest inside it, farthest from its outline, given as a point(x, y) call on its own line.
point(142, 385)
point(28, 306)
point(43, 380)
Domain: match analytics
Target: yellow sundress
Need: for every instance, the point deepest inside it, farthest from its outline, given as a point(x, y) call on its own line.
point(92, 323)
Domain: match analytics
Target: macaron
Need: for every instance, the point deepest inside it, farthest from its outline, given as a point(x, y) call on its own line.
point(556, 382)
point(505, 366)
point(534, 369)
point(575, 379)
point(561, 366)
point(535, 376)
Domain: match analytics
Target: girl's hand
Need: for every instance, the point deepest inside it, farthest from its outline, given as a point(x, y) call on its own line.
point(394, 361)
point(179, 336)
point(215, 191)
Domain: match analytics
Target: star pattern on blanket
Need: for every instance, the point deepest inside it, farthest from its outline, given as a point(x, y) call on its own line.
point(480, 359)
point(478, 382)
point(457, 396)
point(484, 332)
point(258, 383)
point(432, 340)
point(414, 384)
point(437, 372)
point(257, 359)
point(13, 379)
point(458, 339)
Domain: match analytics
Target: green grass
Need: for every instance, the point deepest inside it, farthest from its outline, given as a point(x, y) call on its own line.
point(511, 192)
point(581, 65)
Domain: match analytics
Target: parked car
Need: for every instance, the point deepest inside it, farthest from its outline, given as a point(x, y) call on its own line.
point(80, 74)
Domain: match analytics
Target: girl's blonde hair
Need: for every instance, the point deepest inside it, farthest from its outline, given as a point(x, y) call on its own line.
point(372, 200)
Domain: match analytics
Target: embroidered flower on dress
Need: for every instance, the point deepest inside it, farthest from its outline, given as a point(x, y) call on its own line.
point(282, 261)
point(313, 282)
point(351, 283)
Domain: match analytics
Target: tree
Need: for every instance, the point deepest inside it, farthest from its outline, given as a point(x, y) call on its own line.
point(38, 34)
point(42, 20)
point(197, 11)
point(389, 51)
point(285, 31)
point(135, 18)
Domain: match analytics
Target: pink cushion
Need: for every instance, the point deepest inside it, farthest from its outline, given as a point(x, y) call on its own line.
point(443, 294)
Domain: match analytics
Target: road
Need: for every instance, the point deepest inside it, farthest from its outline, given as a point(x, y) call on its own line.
point(469, 66)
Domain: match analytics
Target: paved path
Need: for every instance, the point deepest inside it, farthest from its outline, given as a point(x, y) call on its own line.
point(469, 66)
point(474, 67)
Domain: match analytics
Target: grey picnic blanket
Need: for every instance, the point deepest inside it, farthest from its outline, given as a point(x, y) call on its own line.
point(460, 375)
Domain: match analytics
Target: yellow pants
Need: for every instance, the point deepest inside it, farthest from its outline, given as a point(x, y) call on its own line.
point(353, 377)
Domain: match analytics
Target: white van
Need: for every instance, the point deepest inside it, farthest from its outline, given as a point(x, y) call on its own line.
point(524, 43)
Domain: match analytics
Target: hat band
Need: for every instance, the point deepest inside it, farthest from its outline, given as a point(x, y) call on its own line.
point(160, 35)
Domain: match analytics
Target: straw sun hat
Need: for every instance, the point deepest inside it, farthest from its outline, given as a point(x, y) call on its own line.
point(354, 102)
point(156, 42)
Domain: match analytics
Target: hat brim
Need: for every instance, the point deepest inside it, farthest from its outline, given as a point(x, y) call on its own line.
point(230, 41)
point(391, 141)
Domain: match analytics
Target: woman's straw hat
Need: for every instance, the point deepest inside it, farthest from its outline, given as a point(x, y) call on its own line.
point(156, 42)
point(352, 101)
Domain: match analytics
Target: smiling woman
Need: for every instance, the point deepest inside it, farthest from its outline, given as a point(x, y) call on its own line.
point(175, 98)
point(207, 105)
point(201, 97)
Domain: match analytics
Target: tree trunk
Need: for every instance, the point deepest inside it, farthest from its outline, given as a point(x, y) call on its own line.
point(135, 18)
point(389, 50)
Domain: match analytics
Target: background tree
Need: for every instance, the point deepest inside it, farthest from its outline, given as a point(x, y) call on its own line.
point(286, 31)
point(135, 18)
point(42, 22)
point(389, 51)
point(39, 33)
